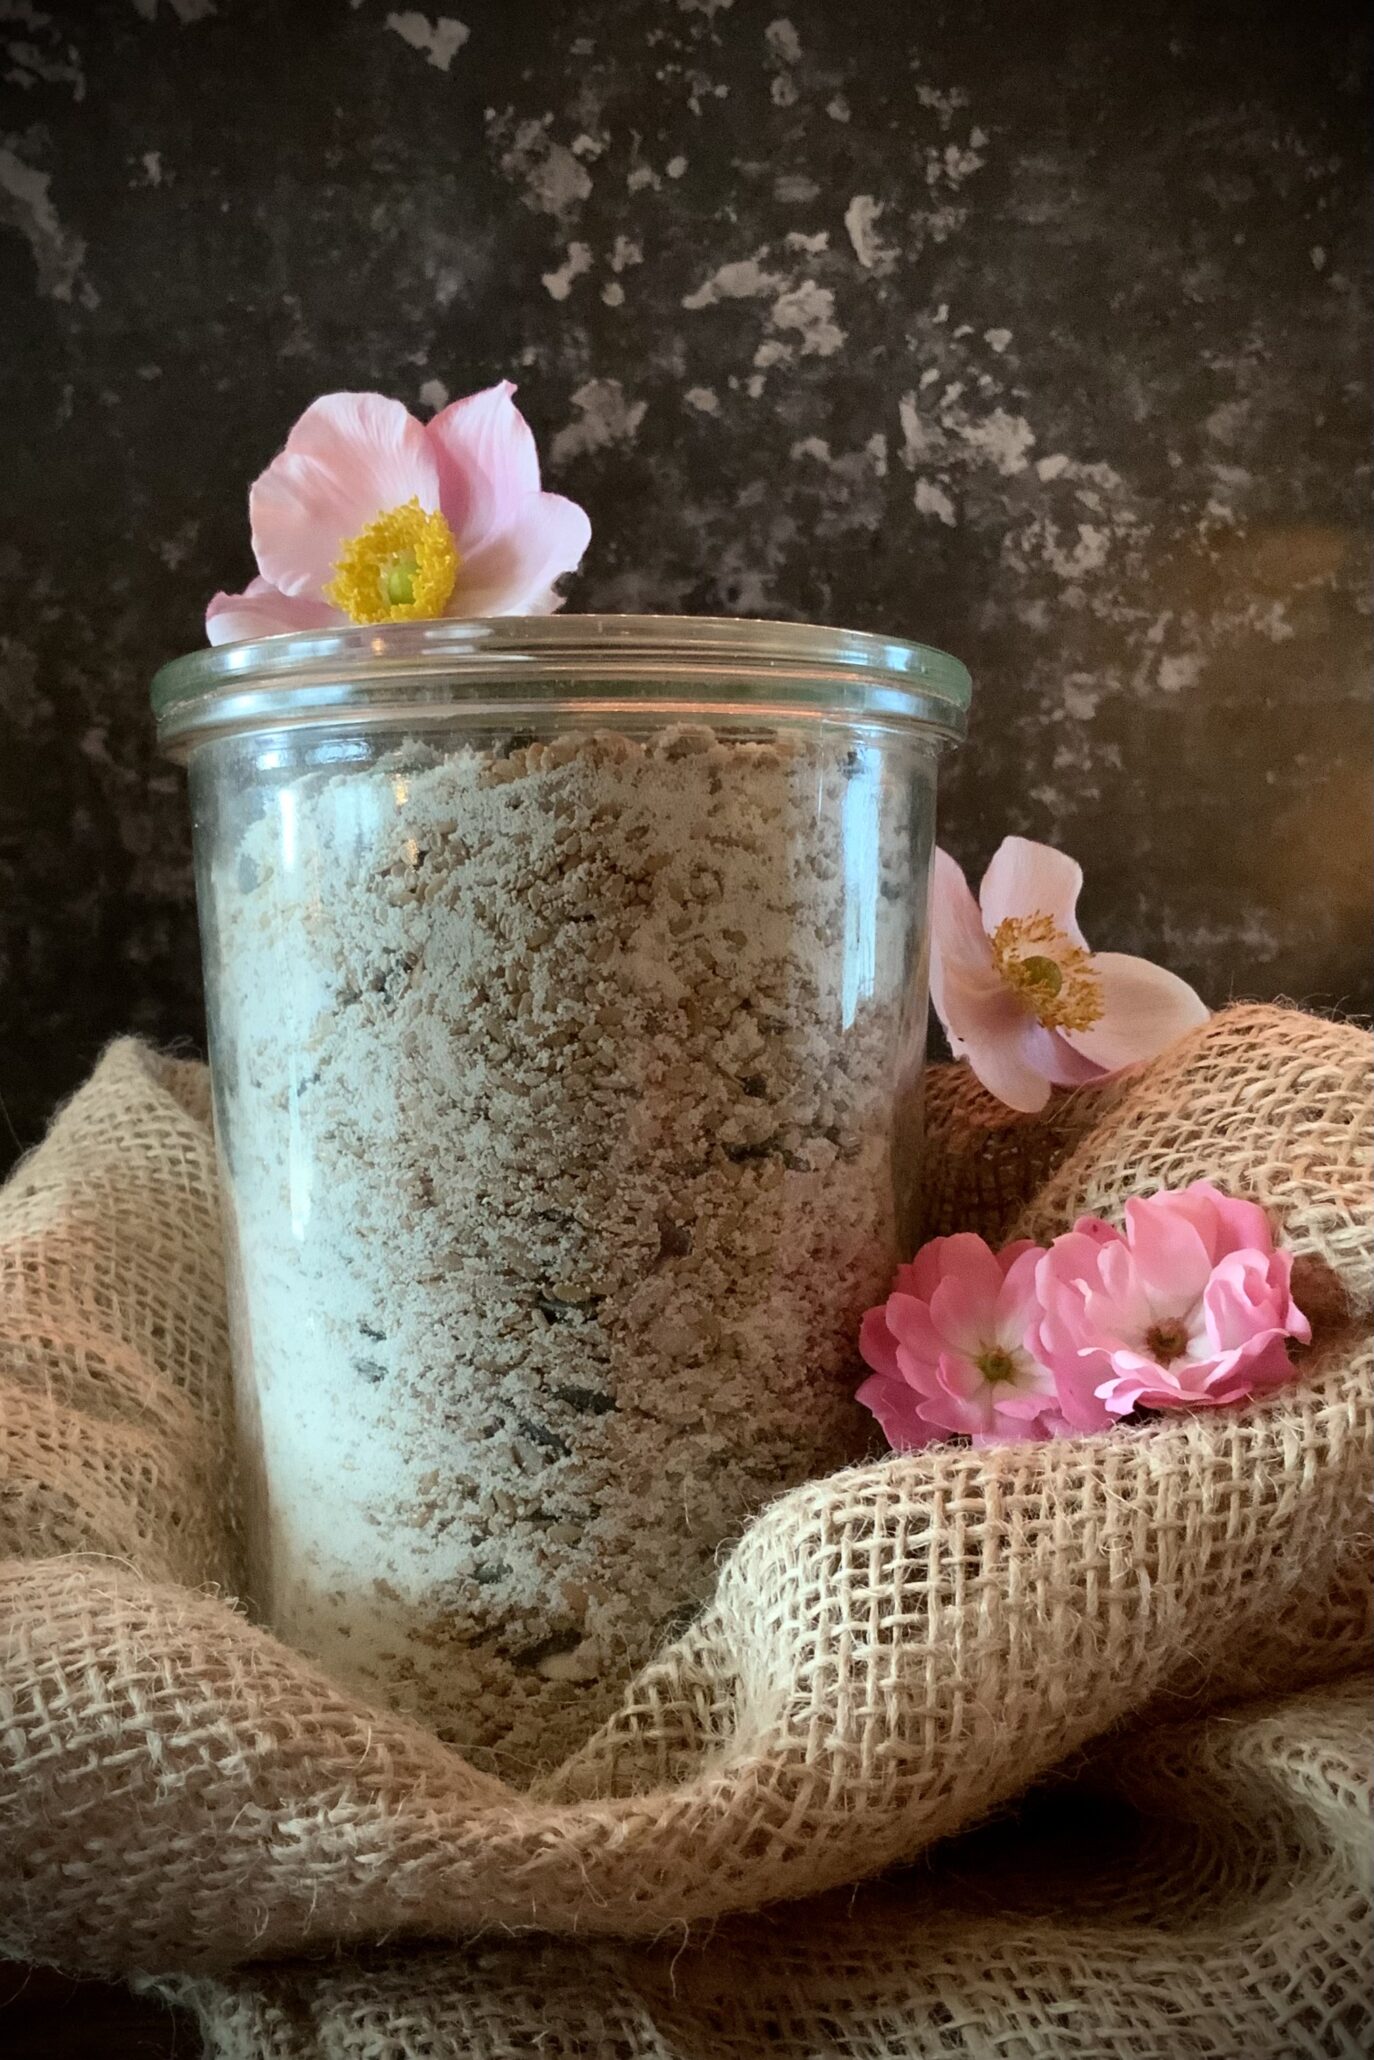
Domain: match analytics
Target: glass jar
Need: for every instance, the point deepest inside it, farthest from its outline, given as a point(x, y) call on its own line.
point(567, 998)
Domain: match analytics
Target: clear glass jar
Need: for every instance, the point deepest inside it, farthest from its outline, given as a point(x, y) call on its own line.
point(567, 996)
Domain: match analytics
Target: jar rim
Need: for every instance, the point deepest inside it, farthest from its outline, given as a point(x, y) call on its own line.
point(382, 671)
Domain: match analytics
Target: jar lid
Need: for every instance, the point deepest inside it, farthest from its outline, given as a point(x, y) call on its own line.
point(594, 665)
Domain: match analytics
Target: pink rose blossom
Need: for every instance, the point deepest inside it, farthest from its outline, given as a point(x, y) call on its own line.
point(948, 1347)
point(1190, 1308)
point(369, 515)
point(1021, 996)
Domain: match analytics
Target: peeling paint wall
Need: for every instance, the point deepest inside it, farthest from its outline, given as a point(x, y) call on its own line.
point(1040, 333)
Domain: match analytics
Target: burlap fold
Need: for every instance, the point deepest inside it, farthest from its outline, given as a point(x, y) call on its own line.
point(891, 1654)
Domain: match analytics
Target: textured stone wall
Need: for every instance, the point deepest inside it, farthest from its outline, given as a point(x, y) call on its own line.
point(1036, 331)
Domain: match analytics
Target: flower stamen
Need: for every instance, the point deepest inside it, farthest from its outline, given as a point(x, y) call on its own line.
point(401, 568)
point(1054, 977)
point(996, 1364)
point(1167, 1341)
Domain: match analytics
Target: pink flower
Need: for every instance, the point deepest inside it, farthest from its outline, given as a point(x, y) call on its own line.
point(1021, 996)
point(948, 1347)
point(1191, 1307)
point(368, 515)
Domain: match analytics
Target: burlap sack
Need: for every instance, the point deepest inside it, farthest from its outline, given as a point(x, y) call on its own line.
point(891, 1655)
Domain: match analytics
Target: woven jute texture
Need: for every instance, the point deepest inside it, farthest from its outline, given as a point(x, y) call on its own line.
point(1128, 1671)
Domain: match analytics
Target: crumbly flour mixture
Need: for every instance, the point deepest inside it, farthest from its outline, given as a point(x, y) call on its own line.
point(557, 1096)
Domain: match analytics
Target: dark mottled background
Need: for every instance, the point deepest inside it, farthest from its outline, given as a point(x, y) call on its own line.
point(1037, 331)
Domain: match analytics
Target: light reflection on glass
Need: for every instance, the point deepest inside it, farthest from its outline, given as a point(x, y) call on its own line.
point(300, 1158)
point(859, 857)
point(286, 800)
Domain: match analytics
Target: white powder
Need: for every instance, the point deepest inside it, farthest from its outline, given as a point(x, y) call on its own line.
point(558, 1088)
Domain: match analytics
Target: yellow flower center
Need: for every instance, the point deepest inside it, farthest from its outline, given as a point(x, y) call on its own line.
point(1056, 979)
point(401, 568)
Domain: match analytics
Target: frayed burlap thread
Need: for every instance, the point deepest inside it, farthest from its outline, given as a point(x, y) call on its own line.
point(1161, 1627)
point(1224, 1921)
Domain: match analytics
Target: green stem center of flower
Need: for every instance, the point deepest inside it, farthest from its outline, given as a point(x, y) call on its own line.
point(1166, 1342)
point(1049, 974)
point(401, 568)
point(398, 578)
point(995, 1364)
point(1042, 976)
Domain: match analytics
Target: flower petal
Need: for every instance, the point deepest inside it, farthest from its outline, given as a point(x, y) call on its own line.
point(1011, 1432)
point(963, 1314)
point(1097, 1230)
point(487, 462)
point(1241, 1301)
point(964, 981)
point(1050, 1055)
point(895, 1407)
point(1232, 1224)
point(919, 1344)
point(958, 1377)
point(1266, 1363)
point(1077, 1385)
point(1255, 1367)
point(1023, 1405)
point(1017, 1249)
point(956, 1407)
point(877, 1346)
point(1119, 1307)
point(1063, 1339)
point(1025, 879)
point(512, 572)
point(1169, 1258)
point(350, 457)
point(1249, 1292)
point(1064, 1066)
point(1004, 1057)
point(547, 603)
point(1144, 1009)
point(922, 1274)
point(1018, 1303)
point(966, 1256)
point(261, 611)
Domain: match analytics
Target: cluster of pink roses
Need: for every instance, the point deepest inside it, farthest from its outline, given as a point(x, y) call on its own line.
point(1189, 1306)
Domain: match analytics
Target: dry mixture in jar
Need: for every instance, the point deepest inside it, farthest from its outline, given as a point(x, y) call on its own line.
point(560, 1173)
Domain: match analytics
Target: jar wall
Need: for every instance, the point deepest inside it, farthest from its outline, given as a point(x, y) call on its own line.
point(567, 1083)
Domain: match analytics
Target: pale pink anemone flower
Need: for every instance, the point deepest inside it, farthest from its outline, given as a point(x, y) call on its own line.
point(948, 1348)
point(1021, 996)
point(1191, 1308)
point(371, 516)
